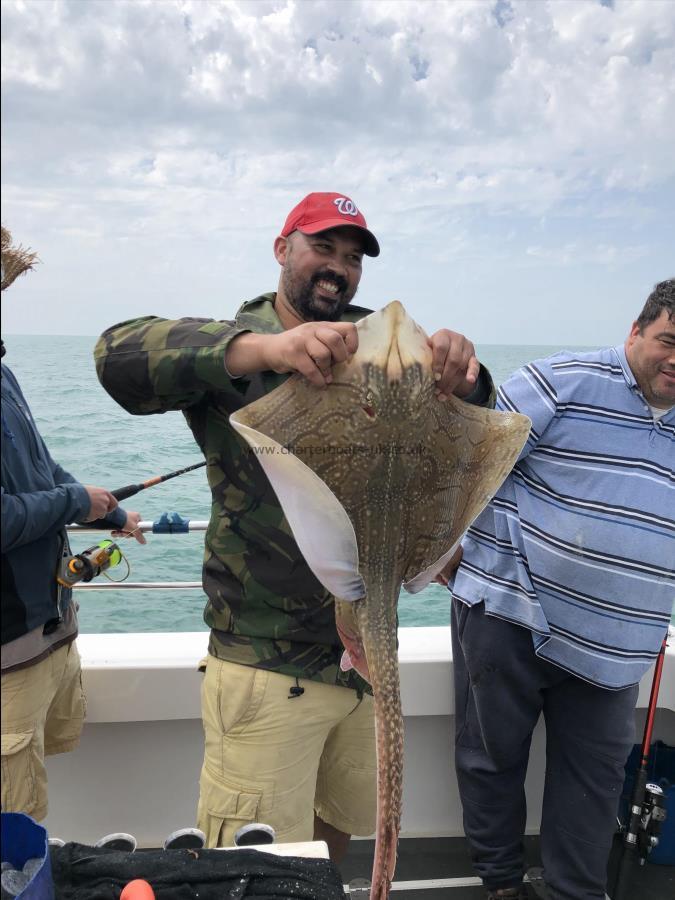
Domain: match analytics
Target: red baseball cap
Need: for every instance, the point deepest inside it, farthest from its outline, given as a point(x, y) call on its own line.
point(319, 212)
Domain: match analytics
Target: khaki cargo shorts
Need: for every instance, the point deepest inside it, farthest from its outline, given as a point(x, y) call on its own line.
point(276, 758)
point(43, 710)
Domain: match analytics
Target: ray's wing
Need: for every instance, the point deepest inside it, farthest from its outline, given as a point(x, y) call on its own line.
point(470, 451)
point(290, 424)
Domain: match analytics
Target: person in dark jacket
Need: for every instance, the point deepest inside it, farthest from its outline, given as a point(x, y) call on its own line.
point(42, 700)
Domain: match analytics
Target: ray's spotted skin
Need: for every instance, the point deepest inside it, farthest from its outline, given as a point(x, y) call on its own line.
point(378, 481)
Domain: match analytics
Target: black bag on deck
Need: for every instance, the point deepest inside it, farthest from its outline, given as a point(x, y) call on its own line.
point(96, 873)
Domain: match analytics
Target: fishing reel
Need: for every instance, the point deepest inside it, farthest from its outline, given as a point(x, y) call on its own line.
point(646, 821)
point(88, 564)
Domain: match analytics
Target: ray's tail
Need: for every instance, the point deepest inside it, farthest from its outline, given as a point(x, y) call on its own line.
point(379, 639)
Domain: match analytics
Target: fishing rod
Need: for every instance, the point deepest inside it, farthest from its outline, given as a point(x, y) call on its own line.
point(94, 560)
point(130, 489)
point(647, 809)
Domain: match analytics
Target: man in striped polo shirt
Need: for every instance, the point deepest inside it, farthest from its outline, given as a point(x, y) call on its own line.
point(561, 602)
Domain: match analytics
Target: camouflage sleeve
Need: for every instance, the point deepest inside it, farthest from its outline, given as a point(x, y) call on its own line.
point(151, 365)
point(484, 394)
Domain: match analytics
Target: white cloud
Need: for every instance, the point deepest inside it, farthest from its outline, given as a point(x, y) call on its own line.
point(456, 126)
point(574, 254)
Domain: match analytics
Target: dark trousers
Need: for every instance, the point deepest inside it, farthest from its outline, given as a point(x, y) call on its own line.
point(501, 688)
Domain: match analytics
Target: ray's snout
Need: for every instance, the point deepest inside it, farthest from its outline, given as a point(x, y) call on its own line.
point(399, 341)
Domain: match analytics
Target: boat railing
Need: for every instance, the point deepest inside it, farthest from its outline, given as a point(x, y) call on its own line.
point(168, 524)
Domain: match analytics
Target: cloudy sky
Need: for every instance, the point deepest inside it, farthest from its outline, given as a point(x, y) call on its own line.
point(514, 157)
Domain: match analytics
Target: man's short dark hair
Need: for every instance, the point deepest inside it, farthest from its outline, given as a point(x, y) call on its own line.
point(662, 297)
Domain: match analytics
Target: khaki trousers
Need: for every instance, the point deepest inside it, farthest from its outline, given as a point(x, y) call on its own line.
point(43, 709)
point(277, 758)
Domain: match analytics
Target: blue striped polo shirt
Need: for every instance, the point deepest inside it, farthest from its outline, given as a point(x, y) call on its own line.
point(578, 544)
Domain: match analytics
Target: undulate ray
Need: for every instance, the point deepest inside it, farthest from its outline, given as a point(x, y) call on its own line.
point(378, 481)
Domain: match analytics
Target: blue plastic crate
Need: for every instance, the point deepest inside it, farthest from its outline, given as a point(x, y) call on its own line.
point(22, 839)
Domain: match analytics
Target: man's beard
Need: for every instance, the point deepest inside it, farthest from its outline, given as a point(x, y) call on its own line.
point(317, 309)
point(663, 399)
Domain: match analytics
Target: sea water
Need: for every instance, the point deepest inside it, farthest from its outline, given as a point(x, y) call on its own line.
point(99, 443)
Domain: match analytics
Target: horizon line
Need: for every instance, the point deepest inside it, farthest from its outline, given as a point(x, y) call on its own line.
point(483, 343)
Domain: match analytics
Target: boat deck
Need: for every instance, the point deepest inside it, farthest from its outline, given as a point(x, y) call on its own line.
point(440, 869)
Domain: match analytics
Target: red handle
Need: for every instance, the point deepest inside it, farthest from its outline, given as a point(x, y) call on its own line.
point(137, 890)
point(653, 697)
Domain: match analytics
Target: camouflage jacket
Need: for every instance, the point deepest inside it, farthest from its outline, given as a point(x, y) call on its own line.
point(265, 607)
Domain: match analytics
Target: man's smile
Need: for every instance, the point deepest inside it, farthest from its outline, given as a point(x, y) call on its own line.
point(329, 286)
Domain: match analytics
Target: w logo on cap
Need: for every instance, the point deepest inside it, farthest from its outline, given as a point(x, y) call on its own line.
point(346, 206)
